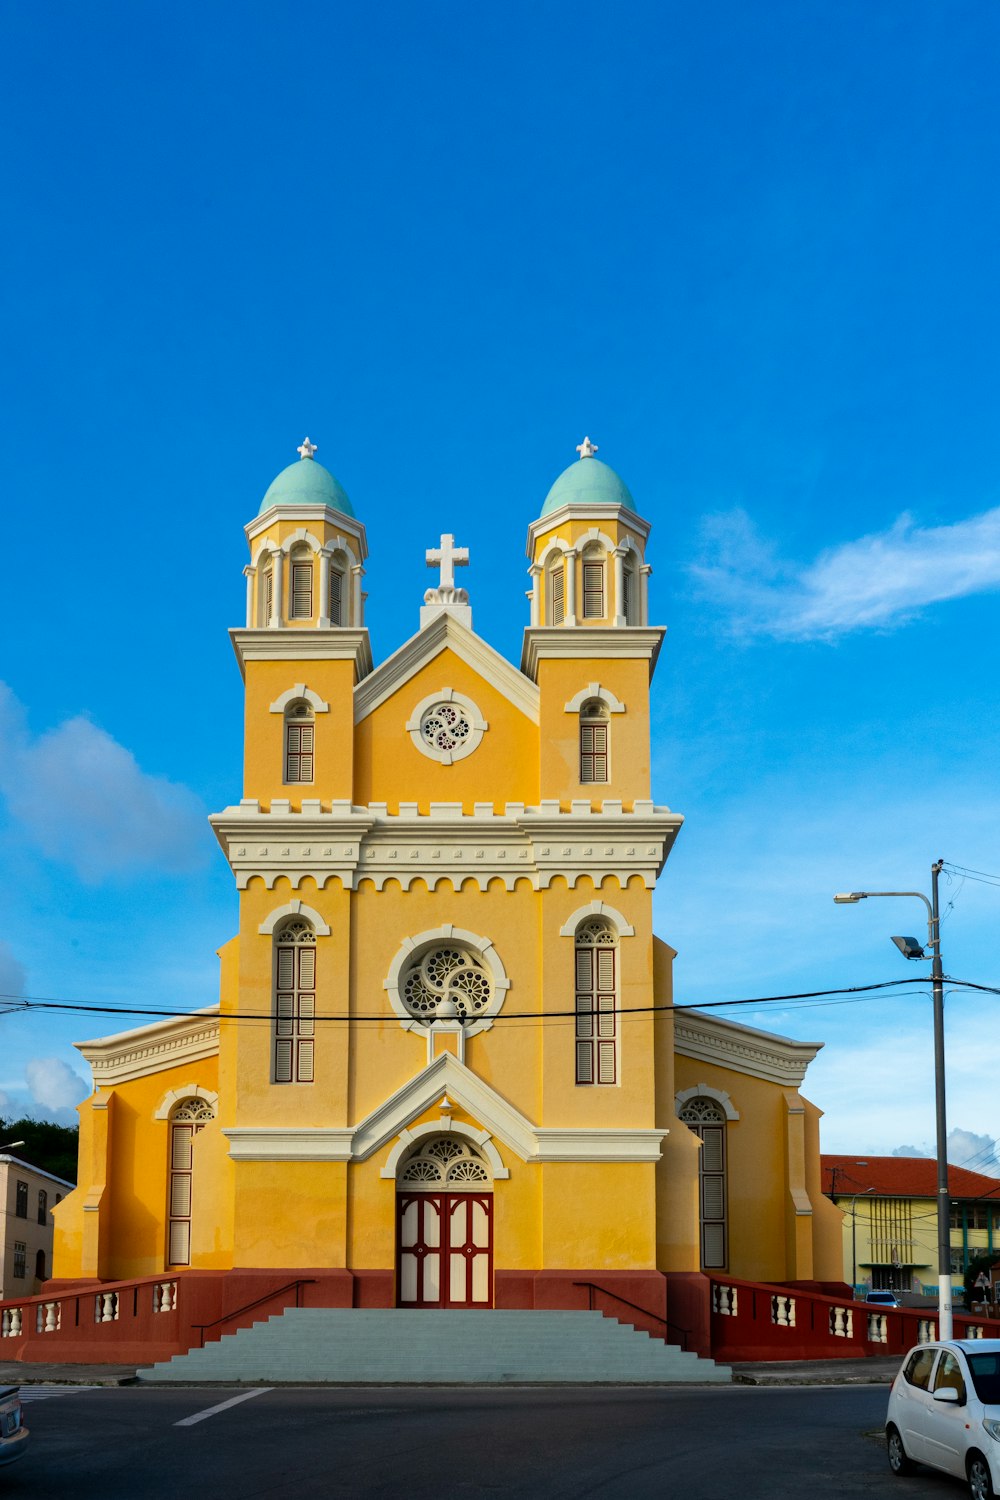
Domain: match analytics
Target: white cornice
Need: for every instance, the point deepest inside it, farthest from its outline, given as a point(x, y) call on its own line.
point(279, 1143)
point(445, 633)
point(599, 1145)
point(591, 642)
point(576, 512)
point(742, 1049)
point(291, 643)
point(354, 844)
point(150, 1049)
point(310, 515)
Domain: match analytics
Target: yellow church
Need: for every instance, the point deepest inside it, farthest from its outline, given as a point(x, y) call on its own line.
point(444, 1071)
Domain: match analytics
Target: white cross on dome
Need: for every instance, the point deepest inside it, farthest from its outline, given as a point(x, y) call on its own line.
point(306, 449)
point(586, 449)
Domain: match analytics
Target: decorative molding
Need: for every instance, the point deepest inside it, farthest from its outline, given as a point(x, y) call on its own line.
point(703, 1091)
point(557, 544)
point(595, 534)
point(481, 1138)
point(284, 1143)
point(309, 515)
point(594, 690)
point(445, 1075)
point(294, 909)
point(445, 632)
point(477, 726)
point(589, 642)
point(599, 1145)
point(293, 694)
point(352, 844)
point(742, 1049)
point(187, 1091)
point(607, 511)
point(309, 643)
point(151, 1049)
point(412, 947)
point(596, 909)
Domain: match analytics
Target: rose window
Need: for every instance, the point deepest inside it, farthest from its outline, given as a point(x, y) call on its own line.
point(445, 727)
point(446, 973)
point(443, 1161)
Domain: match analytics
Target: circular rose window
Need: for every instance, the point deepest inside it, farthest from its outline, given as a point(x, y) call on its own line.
point(446, 974)
point(447, 726)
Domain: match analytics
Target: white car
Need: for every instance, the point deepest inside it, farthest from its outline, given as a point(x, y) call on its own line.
point(944, 1410)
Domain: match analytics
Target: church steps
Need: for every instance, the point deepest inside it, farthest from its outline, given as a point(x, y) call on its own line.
point(401, 1346)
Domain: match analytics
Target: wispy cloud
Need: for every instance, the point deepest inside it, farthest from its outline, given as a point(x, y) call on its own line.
point(83, 800)
point(965, 1149)
point(877, 581)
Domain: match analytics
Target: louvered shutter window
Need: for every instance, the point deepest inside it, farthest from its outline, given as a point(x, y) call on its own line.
point(558, 585)
point(295, 1005)
point(705, 1118)
point(298, 752)
point(593, 750)
point(187, 1120)
point(593, 591)
point(596, 1016)
point(627, 595)
point(268, 595)
point(336, 596)
point(302, 590)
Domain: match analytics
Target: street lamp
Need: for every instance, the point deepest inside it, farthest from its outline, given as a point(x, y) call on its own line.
point(910, 948)
point(10, 1145)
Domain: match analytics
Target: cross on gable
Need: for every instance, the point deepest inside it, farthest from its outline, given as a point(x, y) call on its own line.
point(447, 557)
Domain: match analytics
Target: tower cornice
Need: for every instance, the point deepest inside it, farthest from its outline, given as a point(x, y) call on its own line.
point(595, 642)
point(287, 643)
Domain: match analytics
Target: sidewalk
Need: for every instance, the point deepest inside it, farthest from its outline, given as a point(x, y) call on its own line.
point(786, 1372)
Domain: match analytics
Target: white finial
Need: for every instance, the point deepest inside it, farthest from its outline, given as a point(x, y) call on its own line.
point(306, 449)
point(448, 557)
point(586, 449)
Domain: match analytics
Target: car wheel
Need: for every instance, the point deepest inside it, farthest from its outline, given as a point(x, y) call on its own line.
point(898, 1461)
point(980, 1483)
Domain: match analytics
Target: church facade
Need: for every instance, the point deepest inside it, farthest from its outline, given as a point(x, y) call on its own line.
point(444, 1070)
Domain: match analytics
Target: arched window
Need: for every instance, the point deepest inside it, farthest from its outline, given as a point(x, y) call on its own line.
point(39, 1265)
point(628, 595)
point(596, 1002)
point(593, 584)
point(302, 585)
point(268, 589)
point(707, 1119)
point(43, 1206)
point(557, 591)
point(294, 1002)
point(595, 734)
point(300, 733)
point(445, 1160)
point(186, 1120)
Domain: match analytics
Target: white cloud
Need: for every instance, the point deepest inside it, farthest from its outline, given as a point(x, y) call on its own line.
point(879, 580)
point(53, 1083)
point(84, 800)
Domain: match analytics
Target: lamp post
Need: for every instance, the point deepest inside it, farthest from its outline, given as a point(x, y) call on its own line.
point(910, 948)
point(10, 1145)
point(854, 1237)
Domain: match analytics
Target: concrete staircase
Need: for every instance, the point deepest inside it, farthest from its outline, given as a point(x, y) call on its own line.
point(398, 1346)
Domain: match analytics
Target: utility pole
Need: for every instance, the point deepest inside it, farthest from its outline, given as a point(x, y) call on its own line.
point(943, 1208)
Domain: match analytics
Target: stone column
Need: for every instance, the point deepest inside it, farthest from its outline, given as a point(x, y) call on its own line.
point(533, 593)
point(277, 570)
point(644, 572)
point(324, 589)
point(357, 608)
point(619, 610)
point(569, 591)
point(251, 577)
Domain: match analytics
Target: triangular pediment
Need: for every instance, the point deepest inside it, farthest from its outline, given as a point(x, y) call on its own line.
point(446, 1075)
point(445, 633)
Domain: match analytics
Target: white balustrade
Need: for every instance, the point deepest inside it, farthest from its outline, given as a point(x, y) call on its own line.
point(724, 1300)
point(48, 1317)
point(106, 1307)
point(878, 1328)
point(974, 1331)
point(783, 1311)
point(842, 1322)
point(12, 1323)
point(164, 1296)
point(926, 1331)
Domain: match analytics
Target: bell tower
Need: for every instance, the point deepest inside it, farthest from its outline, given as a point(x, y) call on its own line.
point(590, 647)
point(304, 645)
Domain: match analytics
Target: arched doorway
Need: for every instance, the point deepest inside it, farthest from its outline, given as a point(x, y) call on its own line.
point(444, 1226)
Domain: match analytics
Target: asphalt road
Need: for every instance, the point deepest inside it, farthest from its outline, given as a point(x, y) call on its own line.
point(757, 1443)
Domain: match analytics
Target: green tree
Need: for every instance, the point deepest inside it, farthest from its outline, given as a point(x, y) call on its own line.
point(52, 1148)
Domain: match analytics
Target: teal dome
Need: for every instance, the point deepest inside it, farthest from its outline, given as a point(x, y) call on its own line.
point(306, 483)
point(587, 482)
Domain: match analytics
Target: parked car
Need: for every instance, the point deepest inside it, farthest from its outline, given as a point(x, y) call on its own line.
point(883, 1299)
point(13, 1433)
point(944, 1411)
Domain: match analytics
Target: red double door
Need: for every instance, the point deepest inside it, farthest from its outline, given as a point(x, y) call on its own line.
point(444, 1249)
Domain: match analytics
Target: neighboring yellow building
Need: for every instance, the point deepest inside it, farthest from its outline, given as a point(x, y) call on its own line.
point(444, 1070)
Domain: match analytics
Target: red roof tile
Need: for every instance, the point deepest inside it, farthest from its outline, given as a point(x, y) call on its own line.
point(901, 1177)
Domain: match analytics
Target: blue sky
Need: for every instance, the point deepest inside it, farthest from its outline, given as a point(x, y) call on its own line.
point(750, 250)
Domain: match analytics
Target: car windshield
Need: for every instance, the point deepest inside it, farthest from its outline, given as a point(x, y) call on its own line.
point(985, 1371)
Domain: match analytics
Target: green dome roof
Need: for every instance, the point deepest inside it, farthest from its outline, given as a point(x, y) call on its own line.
point(306, 483)
point(587, 482)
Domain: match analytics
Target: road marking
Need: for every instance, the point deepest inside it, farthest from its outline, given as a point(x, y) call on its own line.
point(211, 1411)
point(40, 1392)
